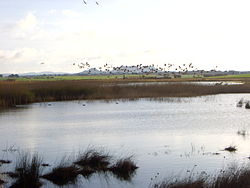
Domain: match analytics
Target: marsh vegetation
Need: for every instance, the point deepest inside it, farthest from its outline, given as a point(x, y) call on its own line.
point(232, 177)
point(29, 169)
point(18, 93)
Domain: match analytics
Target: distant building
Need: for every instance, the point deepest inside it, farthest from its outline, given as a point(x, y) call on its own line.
point(1, 75)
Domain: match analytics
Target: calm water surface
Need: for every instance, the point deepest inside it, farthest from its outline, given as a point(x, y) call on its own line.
point(166, 136)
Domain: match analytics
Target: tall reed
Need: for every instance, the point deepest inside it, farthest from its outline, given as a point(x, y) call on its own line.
point(16, 93)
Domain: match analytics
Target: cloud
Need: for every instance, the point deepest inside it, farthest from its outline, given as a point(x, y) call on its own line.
point(52, 11)
point(28, 23)
point(19, 55)
point(70, 13)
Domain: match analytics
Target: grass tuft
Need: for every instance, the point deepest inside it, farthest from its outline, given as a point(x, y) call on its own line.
point(231, 149)
point(93, 159)
point(124, 169)
point(5, 161)
point(28, 170)
point(62, 175)
point(190, 182)
point(247, 106)
point(86, 172)
point(232, 177)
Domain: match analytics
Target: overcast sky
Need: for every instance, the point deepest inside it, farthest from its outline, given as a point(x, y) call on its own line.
point(207, 33)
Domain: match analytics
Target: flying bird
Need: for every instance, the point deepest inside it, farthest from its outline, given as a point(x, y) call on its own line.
point(97, 3)
point(85, 2)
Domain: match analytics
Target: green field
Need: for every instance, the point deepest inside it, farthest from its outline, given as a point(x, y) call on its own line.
point(85, 77)
point(232, 76)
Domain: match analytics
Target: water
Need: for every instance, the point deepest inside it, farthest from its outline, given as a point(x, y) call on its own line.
point(168, 136)
point(206, 83)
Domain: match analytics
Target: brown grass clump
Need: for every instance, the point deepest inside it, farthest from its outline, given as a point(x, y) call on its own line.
point(5, 161)
point(94, 160)
point(124, 169)
point(233, 177)
point(231, 149)
point(28, 170)
point(62, 175)
point(247, 106)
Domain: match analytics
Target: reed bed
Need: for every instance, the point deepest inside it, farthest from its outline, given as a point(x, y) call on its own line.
point(18, 93)
point(232, 177)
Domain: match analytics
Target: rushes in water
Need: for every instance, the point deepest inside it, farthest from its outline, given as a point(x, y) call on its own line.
point(233, 177)
point(231, 149)
point(63, 174)
point(5, 161)
point(124, 169)
point(93, 159)
point(247, 106)
point(240, 103)
point(28, 170)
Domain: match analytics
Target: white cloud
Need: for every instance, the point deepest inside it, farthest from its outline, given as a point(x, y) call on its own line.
point(206, 33)
point(28, 23)
point(52, 11)
point(70, 13)
point(20, 55)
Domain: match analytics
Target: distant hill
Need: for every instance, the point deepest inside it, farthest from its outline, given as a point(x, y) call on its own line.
point(47, 73)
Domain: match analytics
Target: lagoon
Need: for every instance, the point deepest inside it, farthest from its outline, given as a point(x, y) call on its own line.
point(167, 137)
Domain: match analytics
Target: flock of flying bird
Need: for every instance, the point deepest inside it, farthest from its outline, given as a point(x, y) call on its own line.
point(166, 68)
point(144, 69)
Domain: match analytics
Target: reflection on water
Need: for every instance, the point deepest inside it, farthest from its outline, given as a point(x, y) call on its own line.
point(207, 83)
point(166, 137)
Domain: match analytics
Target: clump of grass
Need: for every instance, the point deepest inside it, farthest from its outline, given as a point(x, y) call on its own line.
point(5, 161)
point(190, 182)
point(231, 149)
point(28, 170)
point(63, 174)
point(86, 172)
point(93, 159)
point(233, 177)
point(240, 103)
point(247, 106)
point(124, 169)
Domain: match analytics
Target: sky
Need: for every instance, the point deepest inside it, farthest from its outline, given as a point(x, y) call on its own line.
point(46, 35)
